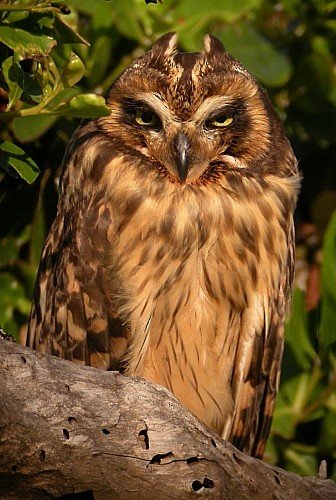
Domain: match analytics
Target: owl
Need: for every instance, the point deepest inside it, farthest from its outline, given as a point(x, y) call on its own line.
point(171, 255)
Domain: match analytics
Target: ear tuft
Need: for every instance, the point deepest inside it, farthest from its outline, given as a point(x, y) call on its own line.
point(212, 46)
point(165, 46)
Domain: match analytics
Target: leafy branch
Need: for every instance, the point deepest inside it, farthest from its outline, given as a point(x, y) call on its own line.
point(38, 73)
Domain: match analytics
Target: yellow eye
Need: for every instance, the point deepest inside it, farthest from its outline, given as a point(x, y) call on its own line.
point(221, 121)
point(145, 117)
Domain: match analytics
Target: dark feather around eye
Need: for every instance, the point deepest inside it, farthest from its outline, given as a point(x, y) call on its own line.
point(231, 114)
point(140, 114)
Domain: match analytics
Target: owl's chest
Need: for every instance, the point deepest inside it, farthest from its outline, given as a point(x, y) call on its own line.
point(199, 240)
point(182, 220)
point(176, 290)
point(173, 230)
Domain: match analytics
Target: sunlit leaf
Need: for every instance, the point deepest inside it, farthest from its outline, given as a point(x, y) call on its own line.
point(62, 98)
point(84, 106)
point(30, 128)
point(14, 16)
point(32, 36)
point(73, 72)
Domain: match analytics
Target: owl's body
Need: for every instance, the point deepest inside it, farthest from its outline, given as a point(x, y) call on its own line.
point(171, 255)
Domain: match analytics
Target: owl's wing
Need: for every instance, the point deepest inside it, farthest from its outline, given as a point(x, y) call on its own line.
point(72, 314)
point(256, 373)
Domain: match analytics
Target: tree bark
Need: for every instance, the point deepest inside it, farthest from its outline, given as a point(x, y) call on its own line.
point(67, 429)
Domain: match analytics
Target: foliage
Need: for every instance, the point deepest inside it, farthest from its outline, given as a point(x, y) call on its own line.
point(58, 58)
point(304, 432)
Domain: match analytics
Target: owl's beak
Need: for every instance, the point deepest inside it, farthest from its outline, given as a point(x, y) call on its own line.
point(182, 147)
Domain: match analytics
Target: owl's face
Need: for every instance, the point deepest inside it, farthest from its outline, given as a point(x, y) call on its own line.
point(188, 112)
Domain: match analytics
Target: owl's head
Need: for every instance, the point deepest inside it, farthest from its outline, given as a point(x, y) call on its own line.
point(189, 113)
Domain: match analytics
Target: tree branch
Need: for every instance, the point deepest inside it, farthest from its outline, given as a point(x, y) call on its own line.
point(71, 429)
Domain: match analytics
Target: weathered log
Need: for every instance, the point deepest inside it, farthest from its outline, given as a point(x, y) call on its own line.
point(67, 429)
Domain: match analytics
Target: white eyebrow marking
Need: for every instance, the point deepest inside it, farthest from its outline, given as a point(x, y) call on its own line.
point(159, 104)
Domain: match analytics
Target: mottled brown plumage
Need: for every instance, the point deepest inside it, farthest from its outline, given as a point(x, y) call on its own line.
point(171, 255)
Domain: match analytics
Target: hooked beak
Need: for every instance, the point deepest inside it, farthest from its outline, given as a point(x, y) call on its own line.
point(182, 147)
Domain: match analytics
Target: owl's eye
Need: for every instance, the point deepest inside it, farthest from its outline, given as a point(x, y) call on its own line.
point(146, 118)
point(218, 121)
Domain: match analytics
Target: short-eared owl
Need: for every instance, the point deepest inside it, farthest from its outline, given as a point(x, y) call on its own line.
point(171, 255)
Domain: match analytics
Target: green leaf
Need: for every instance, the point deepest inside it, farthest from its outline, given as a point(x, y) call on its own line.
point(11, 295)
point(42, 20)
point(84, 106)
point(12, 298)
point(301, 460)
point(294, 393)
point(271, 455)
point(11, 245)
point(259, 56)
point(297, 334)
point(311, 93)
point(38, 228)
point(61, 101)
point(13, 157)
point(193, 21)
point(284, 418)
point(50, 78)
point(9, 250)
point(331, 24)
point(29, 128)
point(32, 36)
point(202, 12)
point(327, 328)
point(24, 74)
point(73, 71)
point(14, 16)
point(62, 98)
point(327, 437)
point(65, 34)
point(32, 127)
point(98, 62)
point(87, 6)
point(14, 77)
